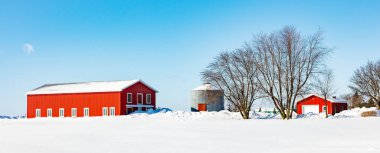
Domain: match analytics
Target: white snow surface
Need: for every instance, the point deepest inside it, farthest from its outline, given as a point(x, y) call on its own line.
point(85, 87)
point(205, 86)
point(167, 131)
point(356, 112)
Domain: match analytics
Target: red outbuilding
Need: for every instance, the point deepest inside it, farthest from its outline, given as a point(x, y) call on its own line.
point(316, 104)
point(90, 99)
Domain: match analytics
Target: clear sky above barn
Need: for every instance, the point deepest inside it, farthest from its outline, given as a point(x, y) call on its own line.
point(165, 43)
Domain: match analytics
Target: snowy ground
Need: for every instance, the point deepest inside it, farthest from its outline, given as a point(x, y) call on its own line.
point(182, 132)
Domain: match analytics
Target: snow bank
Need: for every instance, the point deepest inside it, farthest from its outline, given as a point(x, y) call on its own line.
point(165, 113)
point(11, 117)
point(311, 116)
point(353, 113)
point(356, 112)
point(168, 114)
point(118, 134)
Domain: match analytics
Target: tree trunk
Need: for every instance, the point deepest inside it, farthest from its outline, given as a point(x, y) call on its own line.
point(289, 113)
point(283, 114)
point(245, 114)
point(326, 112)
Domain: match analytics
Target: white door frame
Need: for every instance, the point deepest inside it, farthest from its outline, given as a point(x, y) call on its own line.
point(84, 112)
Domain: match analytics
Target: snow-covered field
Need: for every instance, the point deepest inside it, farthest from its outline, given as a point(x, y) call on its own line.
point(185, 132)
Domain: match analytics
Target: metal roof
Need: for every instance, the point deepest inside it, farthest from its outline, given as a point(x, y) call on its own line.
point(331, 99)
point(85, 87)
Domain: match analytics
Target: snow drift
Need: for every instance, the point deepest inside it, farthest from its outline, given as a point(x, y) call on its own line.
point(356, 112)
point(166, 113)
point(184, 132)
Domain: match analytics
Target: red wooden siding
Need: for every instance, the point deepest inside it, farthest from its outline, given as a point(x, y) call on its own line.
point(338, 107)
point(135, 89)
point(93, 101)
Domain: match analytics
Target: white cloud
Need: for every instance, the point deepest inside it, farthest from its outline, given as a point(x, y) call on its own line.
point(28, 48)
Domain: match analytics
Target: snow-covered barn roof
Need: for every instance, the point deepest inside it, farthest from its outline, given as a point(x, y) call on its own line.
point(85, 87)
point(331, 99)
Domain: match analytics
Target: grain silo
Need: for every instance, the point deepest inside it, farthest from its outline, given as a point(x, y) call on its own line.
point(207, 98)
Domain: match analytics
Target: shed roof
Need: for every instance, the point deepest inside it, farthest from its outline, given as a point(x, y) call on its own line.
point(331, 99)
point(85, 87)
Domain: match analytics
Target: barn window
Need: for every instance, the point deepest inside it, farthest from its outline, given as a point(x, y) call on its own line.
point(129, 97)
point(61, 112)
point(148, 98)
point(86, 112)
point(105, 111)
point(38, 112)
point(324, 108)
point(112, 111)
point(140, 98)
point(73, 112)
point(49, 112)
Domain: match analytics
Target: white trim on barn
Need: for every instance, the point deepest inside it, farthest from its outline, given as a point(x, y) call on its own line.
point(138, 106)
point(128, 98)
point(104, 111)
point(38, 112)
point(49, 112)
point(146, 98)
point(74, 112)
point(86, 112)
point(112, 111)
point(61, 112)
point(129, 106)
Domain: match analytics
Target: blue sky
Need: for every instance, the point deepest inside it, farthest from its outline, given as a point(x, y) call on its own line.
point(166, 43)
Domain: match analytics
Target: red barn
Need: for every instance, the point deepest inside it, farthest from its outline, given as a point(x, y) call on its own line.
point(90, 99)
point(316, 104)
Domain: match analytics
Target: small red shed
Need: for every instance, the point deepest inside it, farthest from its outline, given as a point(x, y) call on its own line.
point(316, 104)
point(85, 99)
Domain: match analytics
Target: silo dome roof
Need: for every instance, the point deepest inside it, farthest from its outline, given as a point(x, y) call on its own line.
point(206, 86)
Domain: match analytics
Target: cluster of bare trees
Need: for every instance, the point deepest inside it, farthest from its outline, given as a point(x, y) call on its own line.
point(235, 74)
point(357, 100)
point(279, 66)
point(366, 81)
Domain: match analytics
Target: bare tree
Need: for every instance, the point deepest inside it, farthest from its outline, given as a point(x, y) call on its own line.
point(356, 100)
point(347, 96)
point(286, 62)
point(234, 72)
point(231, 108)
point(366, 81)
point(324, 86)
